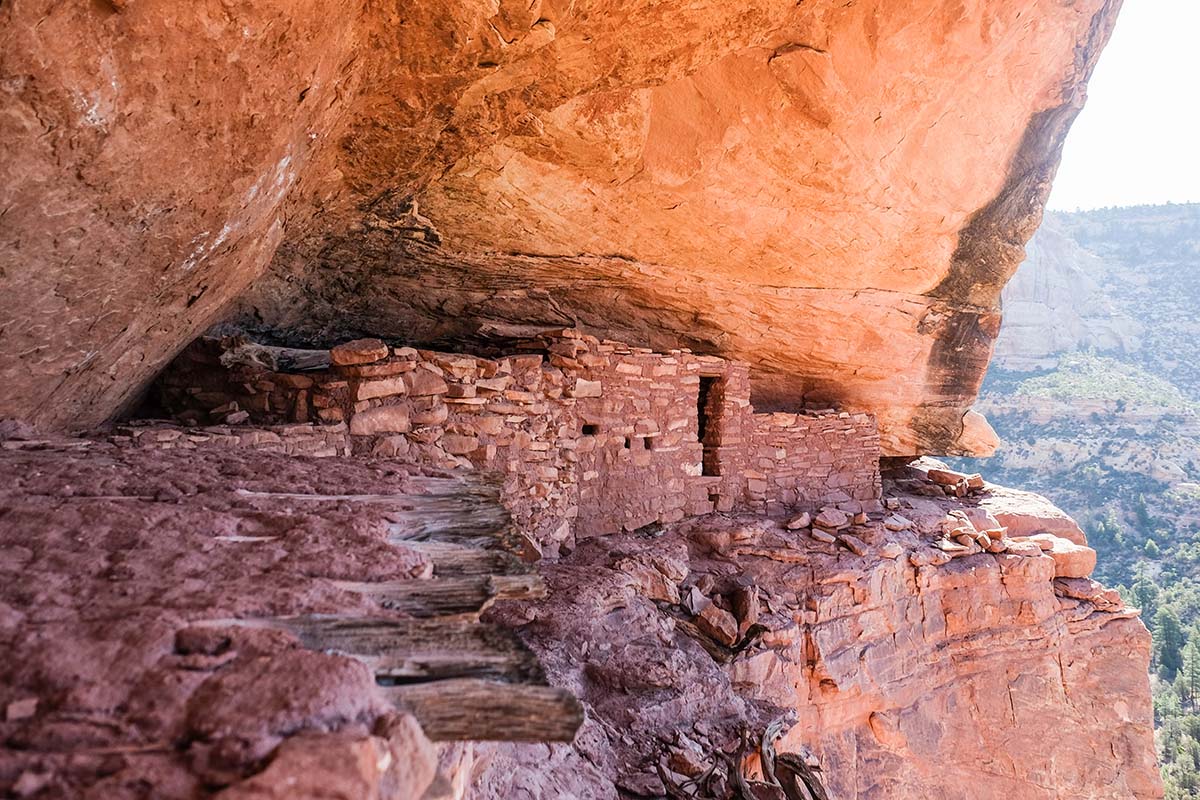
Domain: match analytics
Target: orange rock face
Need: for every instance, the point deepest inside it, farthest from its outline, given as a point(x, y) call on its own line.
point(834, 193)
point(983, 677)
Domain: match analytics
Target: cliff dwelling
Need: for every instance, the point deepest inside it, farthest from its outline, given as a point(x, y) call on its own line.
point(443, 400)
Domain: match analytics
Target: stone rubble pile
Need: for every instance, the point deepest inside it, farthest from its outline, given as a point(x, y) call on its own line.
point(850, 525)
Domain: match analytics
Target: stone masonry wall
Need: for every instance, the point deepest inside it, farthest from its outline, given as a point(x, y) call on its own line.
point(589, 436)
point(820, 459)
point(639, 450)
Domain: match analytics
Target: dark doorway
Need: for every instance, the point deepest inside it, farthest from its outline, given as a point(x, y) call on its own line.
point(708, 406)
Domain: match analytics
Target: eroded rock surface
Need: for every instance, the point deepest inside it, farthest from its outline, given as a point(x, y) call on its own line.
point(913, 647)
point(140, 590)
point(980, 676)
point(833, 192)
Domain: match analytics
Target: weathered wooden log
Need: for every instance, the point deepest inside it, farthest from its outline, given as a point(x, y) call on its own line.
point(469, 518)
point(448, 596)
point(466, 521)
point(455, 560)
point(470, 709)
point(275, 359)
point(401, 651)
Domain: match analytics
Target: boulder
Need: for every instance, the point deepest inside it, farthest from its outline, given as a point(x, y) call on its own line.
point(853, 544)
point(1070, 560)
point(1025, 513)
point(717, 623)
point(946, 477)
point(651, 582)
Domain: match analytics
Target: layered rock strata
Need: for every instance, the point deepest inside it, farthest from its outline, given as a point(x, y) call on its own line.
point(904, 669)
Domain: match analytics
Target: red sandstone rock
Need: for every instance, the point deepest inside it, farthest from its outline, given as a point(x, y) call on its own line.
point(384, 387)
point(358, 351)
point(1070, 560)
point(20, 709)
point(831, 519)
point(929, 556)
point(822, 536)
point(853, 544)
point(508, 167)
point(422, 382)
point(1026, 513)
point(796, 523)
point(384, 419)
point(1024, 547)
point(880, 732)
point(746, 607)
point(1084, 589)
point(651, 581)
point(342, 767)
point(459, 445)
point(717, 623)
point(946, 477)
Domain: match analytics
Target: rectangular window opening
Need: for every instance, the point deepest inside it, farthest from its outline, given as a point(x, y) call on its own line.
point(591, 430)
point(708, 405)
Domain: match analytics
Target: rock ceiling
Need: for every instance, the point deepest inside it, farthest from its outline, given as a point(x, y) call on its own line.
point(834, 192)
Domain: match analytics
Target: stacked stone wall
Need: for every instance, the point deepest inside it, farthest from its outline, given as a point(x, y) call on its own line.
point(639, 451)
point(511, 416)
point(814, 459)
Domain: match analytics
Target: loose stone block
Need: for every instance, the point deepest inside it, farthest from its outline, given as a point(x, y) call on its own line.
point(384, 419)
point(358, 351)
point(386, 387)
point(717, 623)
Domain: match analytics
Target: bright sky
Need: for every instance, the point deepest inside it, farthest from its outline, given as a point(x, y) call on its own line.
point(1138, 138)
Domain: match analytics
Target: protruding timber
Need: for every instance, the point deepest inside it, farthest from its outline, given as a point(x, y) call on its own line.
point(475, 709)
